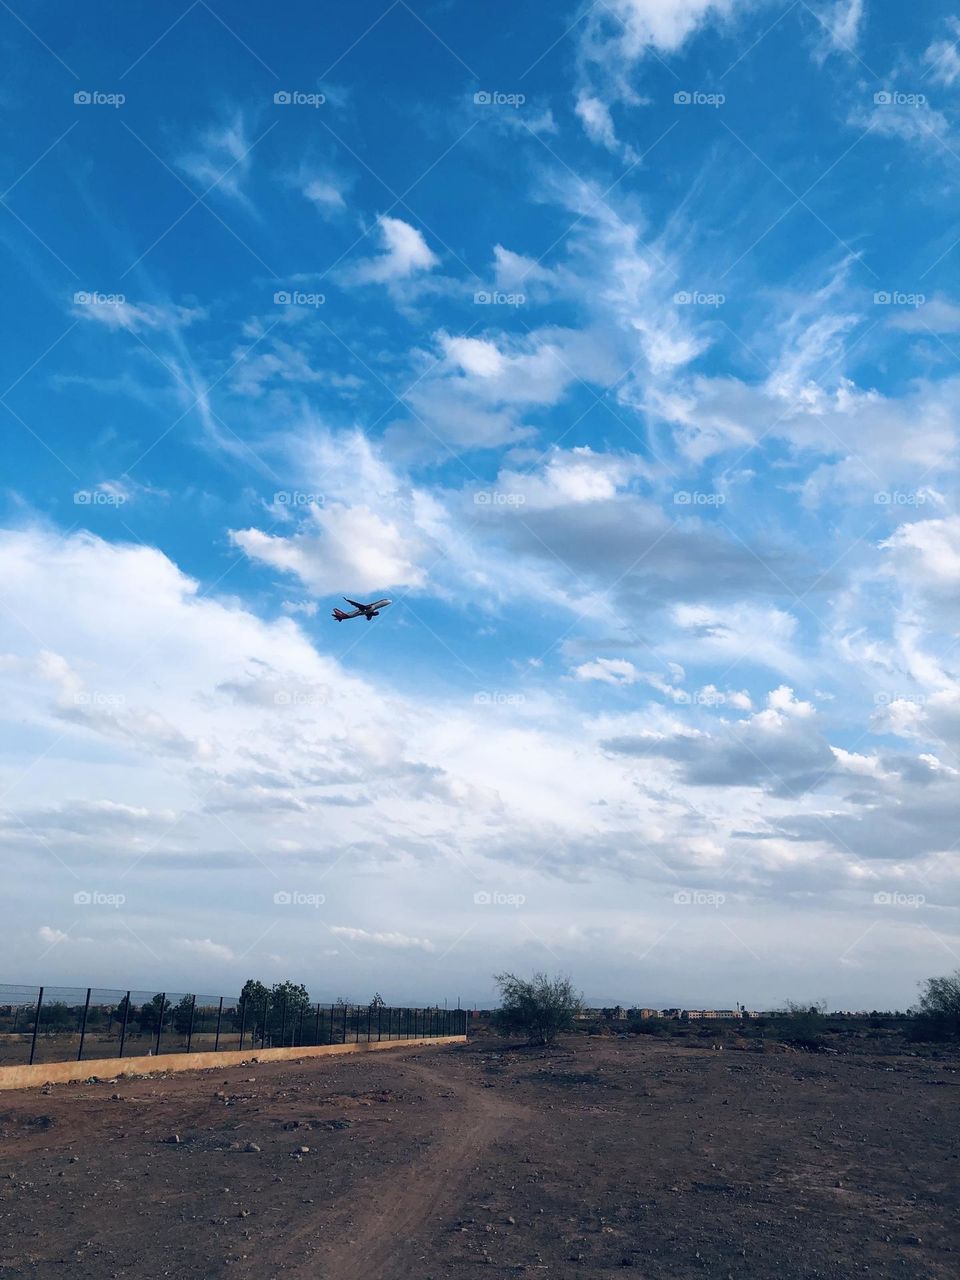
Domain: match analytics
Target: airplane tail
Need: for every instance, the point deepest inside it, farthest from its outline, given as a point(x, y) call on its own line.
point(339, 615)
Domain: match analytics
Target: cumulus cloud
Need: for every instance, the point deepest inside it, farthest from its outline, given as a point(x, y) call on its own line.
point(340, 544)
point(405, 253)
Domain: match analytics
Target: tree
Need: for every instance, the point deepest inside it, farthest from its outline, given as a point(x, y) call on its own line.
point(378, 1002)
point(938, 1016)
point(287, 1001)
point(249, 1010)
point(58, 1016)
point(150, 1013)
point(183, 1015)
point(540, 1008)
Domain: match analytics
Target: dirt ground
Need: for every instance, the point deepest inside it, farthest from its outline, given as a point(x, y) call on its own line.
point(596, 1155)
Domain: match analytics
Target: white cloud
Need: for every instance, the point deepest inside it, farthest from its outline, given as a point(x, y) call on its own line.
point(117, 313)
point(841, 22)
point(943, 58)
point(221, 162)
point(608, 671)
point(392, 941)
point(206, 948)
point(664, 25)
point(341, 549)
point(324, 193)
point(595, 117)
point(405, 254)
point(927, 552)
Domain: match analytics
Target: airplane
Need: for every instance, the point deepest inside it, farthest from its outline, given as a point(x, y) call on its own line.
point(368, 611)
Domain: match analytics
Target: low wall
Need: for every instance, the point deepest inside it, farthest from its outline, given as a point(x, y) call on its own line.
point(24, 1077)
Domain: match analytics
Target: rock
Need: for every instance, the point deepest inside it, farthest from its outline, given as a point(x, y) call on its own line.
point(304, 1150)
point(174, 1139)
point(251, 1146)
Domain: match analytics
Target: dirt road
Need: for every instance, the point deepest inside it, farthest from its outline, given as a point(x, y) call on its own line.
point(594, 1156)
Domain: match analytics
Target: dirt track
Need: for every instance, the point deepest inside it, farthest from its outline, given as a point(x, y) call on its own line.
point(594, 1156)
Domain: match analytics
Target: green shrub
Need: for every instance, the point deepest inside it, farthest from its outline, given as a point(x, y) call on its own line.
point(540, 1008)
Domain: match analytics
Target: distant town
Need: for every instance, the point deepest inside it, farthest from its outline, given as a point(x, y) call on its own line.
point(620, 1013)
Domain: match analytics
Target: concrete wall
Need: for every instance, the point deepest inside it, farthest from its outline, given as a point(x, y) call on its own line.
point(25, 1077)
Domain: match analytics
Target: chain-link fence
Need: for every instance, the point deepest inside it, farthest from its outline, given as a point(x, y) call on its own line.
point(61, 1024)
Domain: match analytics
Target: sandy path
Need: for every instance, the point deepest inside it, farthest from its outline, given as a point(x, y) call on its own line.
point(390, 1224)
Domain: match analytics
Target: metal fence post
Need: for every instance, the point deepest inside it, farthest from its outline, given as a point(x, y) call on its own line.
point(193, 1010)
point(263, 1027)
point(283, 1019)
point(83, 1025)
point(243, 1019)
point(379, 1022)
point(344, 1024)
point(216, 1041)
point(317, 1034)
point(303, 1010)
point(163, 1001)
point(123, 1024)
point(36, 1025)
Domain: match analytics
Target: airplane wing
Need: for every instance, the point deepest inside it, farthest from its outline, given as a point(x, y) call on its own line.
point(356, 603)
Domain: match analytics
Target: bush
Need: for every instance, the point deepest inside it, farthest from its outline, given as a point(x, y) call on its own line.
point(938, 1016)
point(539, 1008)
point(802, 1025)
point(648, 1027)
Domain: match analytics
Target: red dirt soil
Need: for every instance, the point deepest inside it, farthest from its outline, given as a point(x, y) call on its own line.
point(596, 1155)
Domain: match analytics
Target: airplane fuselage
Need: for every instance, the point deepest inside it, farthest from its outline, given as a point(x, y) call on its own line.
point(367, 611)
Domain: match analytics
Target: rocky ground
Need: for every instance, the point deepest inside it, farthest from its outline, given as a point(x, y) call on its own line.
point(600, 1154)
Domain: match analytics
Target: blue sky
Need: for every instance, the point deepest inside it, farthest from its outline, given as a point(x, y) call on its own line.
point(617, 344)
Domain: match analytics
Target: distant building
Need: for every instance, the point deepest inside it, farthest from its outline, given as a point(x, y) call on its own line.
point(696, 1015)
